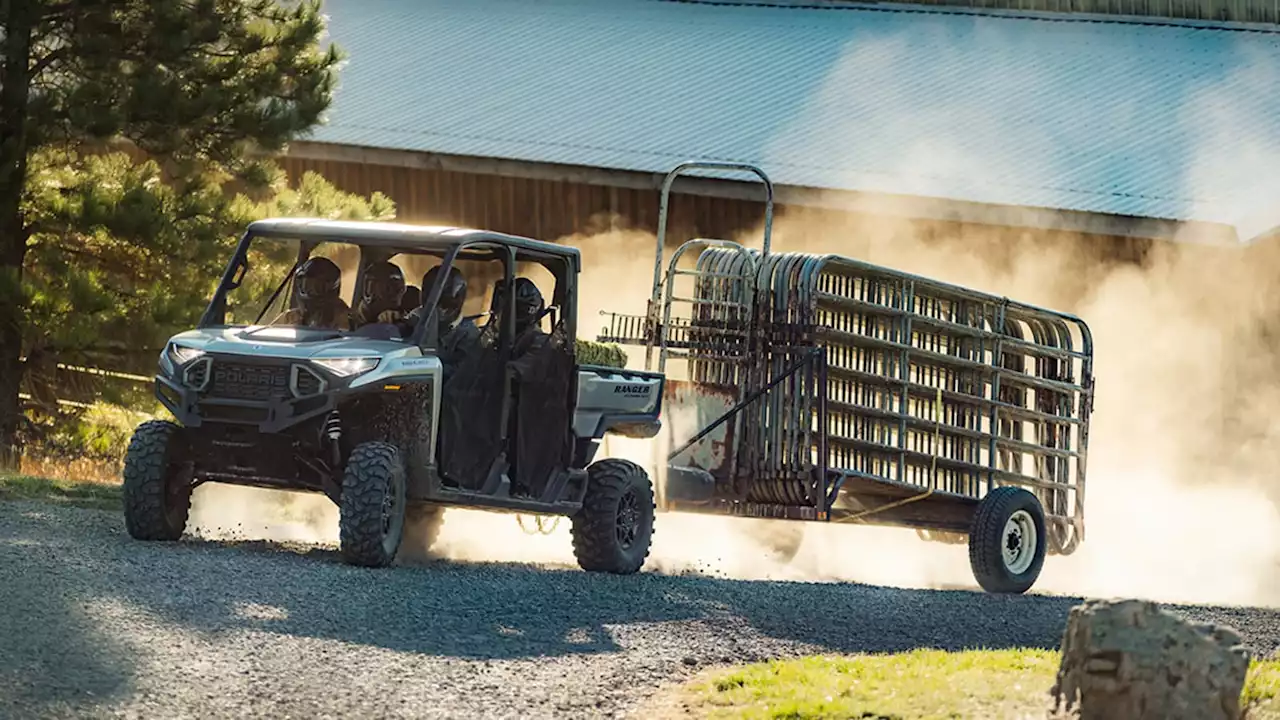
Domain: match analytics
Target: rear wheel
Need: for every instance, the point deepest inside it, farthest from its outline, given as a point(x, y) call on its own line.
point(614, 529)
point(1007, 542)
point(157, 482)
point(371, 514)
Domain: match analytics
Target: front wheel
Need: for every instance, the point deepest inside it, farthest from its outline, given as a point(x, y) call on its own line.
point(614, 529)
point(372, 509)
point(1007, 542)
point(157, 482)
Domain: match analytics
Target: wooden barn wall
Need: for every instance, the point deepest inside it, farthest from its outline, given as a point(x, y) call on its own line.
point(534, 208)
point(553, 211)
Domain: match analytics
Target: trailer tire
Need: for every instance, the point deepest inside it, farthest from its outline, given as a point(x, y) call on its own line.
point(157, 498)
point(614, 529)
point(371, 514)
point(1008, 541)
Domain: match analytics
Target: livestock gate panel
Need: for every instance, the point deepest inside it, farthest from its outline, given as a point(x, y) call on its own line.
point(926, 387)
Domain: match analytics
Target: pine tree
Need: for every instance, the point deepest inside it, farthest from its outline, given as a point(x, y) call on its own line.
point(97, 244)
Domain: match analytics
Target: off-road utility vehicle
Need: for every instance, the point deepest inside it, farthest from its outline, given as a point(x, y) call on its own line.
point(379, 417)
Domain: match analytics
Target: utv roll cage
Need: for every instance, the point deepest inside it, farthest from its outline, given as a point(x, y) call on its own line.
point(387, 240)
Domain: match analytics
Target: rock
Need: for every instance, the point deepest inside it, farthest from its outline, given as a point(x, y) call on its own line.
point(1130, 659)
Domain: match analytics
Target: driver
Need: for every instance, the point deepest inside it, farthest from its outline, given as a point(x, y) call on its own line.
point(381, 296)
point(317, 286)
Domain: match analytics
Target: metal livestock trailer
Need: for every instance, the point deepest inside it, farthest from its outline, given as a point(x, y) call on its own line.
point(818, 387)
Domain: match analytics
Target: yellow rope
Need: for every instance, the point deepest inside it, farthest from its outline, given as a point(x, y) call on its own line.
point(933, 468)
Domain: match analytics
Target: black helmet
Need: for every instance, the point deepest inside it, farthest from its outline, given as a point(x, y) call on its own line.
point(383, 286)
point(452, 296)
point(529, 303)
point(317, 280)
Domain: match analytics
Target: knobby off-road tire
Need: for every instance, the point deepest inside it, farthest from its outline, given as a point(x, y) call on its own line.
point(422, 523)
point(371, 515)
point(157, 488)
point(1007, 541)
point(614, 529)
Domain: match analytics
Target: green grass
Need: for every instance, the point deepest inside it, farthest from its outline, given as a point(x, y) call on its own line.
point(917, 685)
point(1262, 690)
point(81, 493)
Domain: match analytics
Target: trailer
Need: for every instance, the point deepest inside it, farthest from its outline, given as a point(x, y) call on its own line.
point(817, 387)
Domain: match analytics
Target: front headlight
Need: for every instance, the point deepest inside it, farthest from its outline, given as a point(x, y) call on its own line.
point(346, 367)
point(181, 354)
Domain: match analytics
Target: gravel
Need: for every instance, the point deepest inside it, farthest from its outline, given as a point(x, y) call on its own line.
point(94, 624)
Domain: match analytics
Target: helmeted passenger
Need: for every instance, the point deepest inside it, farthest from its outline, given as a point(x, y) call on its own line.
point(456, 333)
point(381, 294)
point(529, 309)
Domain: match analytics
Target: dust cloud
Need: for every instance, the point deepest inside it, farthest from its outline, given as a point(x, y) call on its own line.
point(1181, 501)
point(1181, 497)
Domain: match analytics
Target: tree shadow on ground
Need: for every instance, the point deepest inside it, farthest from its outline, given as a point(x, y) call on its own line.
point(54, 654)
point(508, 611)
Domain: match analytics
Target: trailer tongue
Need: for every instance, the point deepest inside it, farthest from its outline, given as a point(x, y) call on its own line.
point(819, 387)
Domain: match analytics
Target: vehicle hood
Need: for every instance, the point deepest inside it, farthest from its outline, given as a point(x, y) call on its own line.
point(289, 342)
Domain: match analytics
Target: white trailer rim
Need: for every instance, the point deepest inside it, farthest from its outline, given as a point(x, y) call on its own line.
point(1020, 541)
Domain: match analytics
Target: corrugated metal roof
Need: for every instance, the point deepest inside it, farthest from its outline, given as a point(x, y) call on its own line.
point(1170, 121)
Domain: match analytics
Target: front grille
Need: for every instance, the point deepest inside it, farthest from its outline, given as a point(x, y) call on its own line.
point(246, 381)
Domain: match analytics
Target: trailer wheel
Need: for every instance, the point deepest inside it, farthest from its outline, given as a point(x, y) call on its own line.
point(371, 513)
point(613, 530)
point(157, 488)
point(1007, 541)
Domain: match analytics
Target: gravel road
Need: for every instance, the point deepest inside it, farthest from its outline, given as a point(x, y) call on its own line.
point(93, 624)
